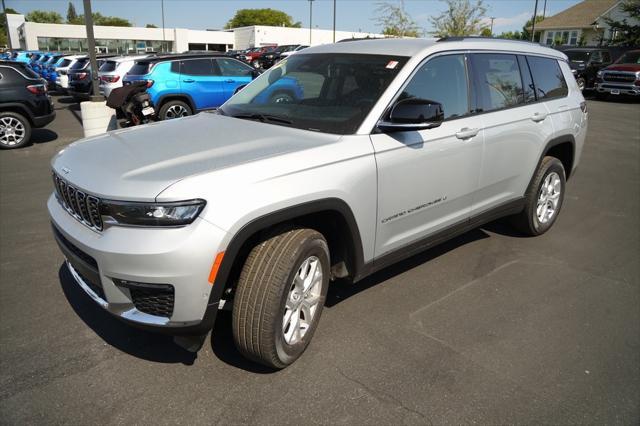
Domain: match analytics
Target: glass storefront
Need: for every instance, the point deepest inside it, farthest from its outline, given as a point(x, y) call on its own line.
point(103, 45)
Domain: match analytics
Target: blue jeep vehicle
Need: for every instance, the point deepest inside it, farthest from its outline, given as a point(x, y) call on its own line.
point(182, 85)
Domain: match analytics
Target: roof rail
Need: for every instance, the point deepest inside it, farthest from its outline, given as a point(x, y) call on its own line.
point(462, 38)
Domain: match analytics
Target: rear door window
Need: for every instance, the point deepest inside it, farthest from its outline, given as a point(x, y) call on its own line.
point(498, 83)
point(231, 68)
point(547, 78)
point(196, 67)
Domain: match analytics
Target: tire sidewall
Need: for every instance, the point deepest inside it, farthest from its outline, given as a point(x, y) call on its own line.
point(313, 247)
point(553, 166)
point(169, 104)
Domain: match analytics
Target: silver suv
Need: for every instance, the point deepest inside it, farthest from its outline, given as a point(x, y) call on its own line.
point(337, 162)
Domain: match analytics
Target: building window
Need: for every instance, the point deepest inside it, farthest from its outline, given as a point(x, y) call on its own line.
point(573, 41)
point(103, 45)
point(549, 39)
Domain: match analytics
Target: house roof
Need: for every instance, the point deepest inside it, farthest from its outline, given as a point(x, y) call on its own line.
point(581, 15)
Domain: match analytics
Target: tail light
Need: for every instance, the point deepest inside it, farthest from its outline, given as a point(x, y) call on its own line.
point(81, 75)
point(149, 83)
point(110, 78)
point(37, 89)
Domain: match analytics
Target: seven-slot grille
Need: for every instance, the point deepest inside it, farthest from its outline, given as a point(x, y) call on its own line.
point(84, 207)
point(619, 77)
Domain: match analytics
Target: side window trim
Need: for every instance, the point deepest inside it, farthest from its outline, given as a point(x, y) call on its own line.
point(522, 63)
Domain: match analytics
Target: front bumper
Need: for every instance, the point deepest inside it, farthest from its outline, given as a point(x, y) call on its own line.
point(178, 257)
point(618, 89)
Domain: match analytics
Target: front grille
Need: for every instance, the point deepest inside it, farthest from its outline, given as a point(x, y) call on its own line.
point(617, 86)
point(619, 77)
point(153, 301)
point(82, 206)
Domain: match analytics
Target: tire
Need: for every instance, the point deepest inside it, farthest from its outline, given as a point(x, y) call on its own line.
point(15, 130)
point(268, 301)
point(174, 109)
point(544, 198)
point(282, 97)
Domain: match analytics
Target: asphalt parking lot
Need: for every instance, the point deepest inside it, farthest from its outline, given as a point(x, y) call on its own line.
point(489, 328)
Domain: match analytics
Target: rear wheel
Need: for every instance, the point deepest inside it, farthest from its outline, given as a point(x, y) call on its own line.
point(543, 199)
point(174, 109)
point(280, 295)
point(15, 130)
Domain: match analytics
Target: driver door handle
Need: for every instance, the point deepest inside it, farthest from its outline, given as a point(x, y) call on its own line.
point(188, 80)
point(466, 133)
point(539, 116)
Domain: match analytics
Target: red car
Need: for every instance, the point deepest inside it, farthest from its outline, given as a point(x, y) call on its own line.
point(252, 55)
point(622, 77)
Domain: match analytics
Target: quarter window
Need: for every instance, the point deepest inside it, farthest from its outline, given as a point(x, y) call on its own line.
point(443, 80)
point(497, 81)
point(547, 78)
point(196, 67)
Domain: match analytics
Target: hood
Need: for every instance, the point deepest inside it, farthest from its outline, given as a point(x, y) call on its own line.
point(140, 162)
point(624, 67)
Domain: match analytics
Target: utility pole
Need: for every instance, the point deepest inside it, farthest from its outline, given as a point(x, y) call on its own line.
point(533, 25)
point(492, 19)
point(91, 41)
point(544, 11)
point(310, 20)
point(334, 20)
point(164, 40)
point(6, 22)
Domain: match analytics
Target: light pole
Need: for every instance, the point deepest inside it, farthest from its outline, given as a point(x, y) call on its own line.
point(310, 20)
point(6, 22)
point(492, 18)
point(164, 40)
point(533, 25)
point(334, 20)
point(91, 41)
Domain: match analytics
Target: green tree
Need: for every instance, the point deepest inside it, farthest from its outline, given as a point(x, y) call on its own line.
point(462, 18)
point(71, 13)
point(44, 17)
point(272, 17)
point(626, 34)
point(511, 35)
point(486, 32)
point(99, 19)
point(395, 21)
point(151, 26)
point(4, 40)
point(526, 30)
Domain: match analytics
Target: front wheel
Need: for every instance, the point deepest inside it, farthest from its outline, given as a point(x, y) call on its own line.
point(280, 295)
point(543, 199)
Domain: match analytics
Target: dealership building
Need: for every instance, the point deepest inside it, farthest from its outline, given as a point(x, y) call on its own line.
point(73, 38)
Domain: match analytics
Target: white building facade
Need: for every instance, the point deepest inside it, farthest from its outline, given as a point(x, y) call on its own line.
point(122, 40)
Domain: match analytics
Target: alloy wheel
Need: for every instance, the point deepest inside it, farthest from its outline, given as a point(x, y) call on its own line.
point(176, 111)
point(548, 197)
point(302, 300)
point(12, 131)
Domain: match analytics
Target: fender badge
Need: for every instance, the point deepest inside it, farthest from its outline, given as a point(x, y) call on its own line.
point(66, 170)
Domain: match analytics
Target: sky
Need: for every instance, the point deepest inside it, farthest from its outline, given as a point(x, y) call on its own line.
point(352, 15)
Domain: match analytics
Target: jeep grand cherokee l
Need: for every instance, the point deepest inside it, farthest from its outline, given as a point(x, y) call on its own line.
point(391, 146)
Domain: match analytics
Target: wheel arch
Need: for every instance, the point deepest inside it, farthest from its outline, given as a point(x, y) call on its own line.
point(18, 109)
point(563, 148)
point(184, 97)
point(330, 216)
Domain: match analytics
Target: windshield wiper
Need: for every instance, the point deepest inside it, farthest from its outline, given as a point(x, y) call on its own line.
point(264, 118)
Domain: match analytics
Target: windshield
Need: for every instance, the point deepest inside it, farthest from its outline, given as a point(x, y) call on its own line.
point(139, 68)
point(578, 56)
point(329, 93)
point(64, 63)
point(108, 66)
point(630, 58)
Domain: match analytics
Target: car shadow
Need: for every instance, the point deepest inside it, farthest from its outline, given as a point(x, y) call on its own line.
point(141, 344)
point(43, 136)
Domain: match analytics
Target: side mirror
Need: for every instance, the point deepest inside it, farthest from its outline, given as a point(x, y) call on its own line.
point(413, 114)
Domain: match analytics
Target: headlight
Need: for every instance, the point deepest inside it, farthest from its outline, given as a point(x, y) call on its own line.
point(599, 74)
point(151, 214)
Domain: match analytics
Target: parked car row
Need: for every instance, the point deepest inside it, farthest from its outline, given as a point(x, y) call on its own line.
point(265, 57)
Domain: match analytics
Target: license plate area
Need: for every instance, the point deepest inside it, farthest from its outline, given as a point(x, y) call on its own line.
point(148, 111)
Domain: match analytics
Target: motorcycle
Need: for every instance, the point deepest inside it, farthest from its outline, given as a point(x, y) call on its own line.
point(133, 103)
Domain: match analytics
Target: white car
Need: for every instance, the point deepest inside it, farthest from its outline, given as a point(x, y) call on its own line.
point(288, 53)
point(62, 79)
point(113, 71)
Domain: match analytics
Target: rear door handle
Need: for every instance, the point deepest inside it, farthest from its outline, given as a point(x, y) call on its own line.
point(188, 80)
point(539, 116)
point(466, 133)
